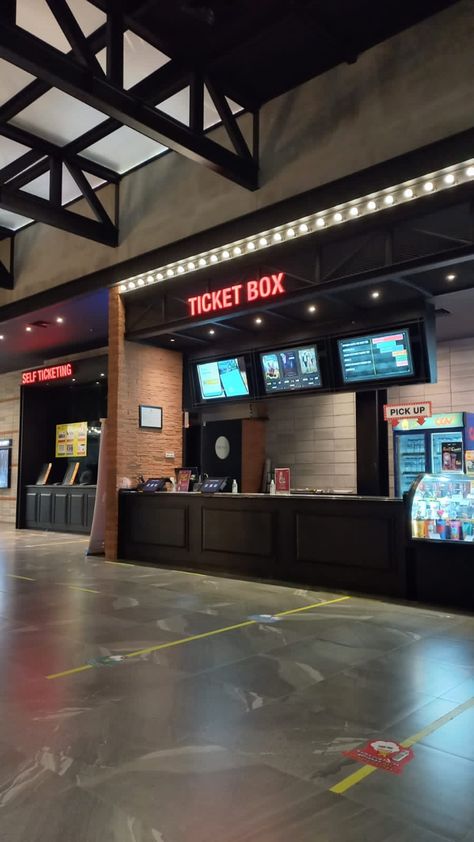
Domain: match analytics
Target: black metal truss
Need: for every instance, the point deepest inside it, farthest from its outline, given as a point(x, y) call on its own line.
point(75, 76)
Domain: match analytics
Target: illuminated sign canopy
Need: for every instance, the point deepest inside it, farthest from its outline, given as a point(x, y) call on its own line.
point(268, 286)
point(45, 375)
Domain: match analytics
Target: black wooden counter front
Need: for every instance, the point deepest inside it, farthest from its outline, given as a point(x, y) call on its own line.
point(60, 508)
point(335, 542)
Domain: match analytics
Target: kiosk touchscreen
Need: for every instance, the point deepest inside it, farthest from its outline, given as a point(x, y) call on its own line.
point(154, 484)
point(214, 484)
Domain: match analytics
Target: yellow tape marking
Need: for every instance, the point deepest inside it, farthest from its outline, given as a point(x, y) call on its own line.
point(308, 607)
point(183, 640)
point(122, 563)
point(362, 773)
point(78, 588)
point(27, 578)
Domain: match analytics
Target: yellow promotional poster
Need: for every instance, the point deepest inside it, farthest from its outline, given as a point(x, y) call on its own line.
point(71, 439)
point(470, 463)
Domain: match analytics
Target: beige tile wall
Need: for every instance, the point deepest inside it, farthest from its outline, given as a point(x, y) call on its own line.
point(454, 390)
point(316, 437)
point(9, 429)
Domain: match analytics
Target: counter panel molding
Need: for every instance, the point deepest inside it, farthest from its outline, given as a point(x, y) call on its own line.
point(60, 508)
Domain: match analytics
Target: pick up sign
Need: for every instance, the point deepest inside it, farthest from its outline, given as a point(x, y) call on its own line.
point(395, 412)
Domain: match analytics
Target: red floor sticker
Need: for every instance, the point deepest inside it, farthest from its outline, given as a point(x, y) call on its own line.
point(383, 754)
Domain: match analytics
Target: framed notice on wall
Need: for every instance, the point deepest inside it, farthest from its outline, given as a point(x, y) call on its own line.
point(71, 440)
point(150, 417)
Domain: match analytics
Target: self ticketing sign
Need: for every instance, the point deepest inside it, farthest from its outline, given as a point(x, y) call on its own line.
point(395, 412)
point(257, 289)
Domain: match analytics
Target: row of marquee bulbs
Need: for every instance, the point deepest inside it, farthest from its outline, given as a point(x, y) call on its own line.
point(336, 215)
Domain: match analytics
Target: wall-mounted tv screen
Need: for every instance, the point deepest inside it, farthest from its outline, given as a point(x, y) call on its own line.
point(223, 379)
point(290, 369)
point(379, 356)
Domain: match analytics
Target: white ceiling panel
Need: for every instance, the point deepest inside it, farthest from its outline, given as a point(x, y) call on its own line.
point(89, 17)
point(139, 59)
point(177, 106)
point(12, 220)
point(40, 186)
point(12, 80)
point(123, 149)
point(36, 17)
point(10, 150)
point(58, 117)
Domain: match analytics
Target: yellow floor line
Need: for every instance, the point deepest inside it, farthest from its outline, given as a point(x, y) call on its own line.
point(78, 588)
point(15, 576)
point(365, 771)
point(121, 563)
point(308, 607)
point(183, 640)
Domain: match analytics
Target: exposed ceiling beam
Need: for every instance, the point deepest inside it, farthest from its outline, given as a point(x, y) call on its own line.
point(35, 56)
point(45, 211)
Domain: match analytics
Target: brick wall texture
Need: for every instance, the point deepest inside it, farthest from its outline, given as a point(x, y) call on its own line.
point(9, 429)
point(139, 374)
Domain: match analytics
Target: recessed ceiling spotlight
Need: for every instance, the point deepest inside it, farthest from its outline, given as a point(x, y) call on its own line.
point(408, 193)
point(354, 211)
point(428, 186)
point(263, 241)
point(59, 320)
point(389, 199)
point(102, 374)
point(303, 228)
point(449, 178)
point(141, 282)
point(320, 222)
point(28, 329)
point(172, 340)
point(191, 266)
point(338, 217)
point(470, 172)
point(123, 287)
point(277, 236)
point(237, 251)
point(451, 277)
point(258, 320)
point(375, 294)
point(371, 205)
point(250, 246)
point(211, 332)
point(180, 269)
point(312, 308)
point(1, 336)
point(73, 379)
point(202, 261)
point(290, 232)
point(214, 258)
point(226, 254)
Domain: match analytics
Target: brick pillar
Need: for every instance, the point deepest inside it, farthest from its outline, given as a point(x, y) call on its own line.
point(115, 371)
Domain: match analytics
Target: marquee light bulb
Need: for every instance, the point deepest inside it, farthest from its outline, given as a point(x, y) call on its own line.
point(408, 193)
point(354, 211)
point(277, 236)
point(202, 261)
point(338, 217)
point(449, 178)
point(372, 205)
point(263, 241)
point(303, 228)
point(428, 186)
point(470, 172)
point(170, 273)
point(290, 232)
point(191, 266)
point(159, 277)
point(237, 251)
point(226, 254)
point(250, 246)
point(141, 282)
point(320, 222)
point(180, 269)
point(214, 258)
point(123, 287)
point(389, 199)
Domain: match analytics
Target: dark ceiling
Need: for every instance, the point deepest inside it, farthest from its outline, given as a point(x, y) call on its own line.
point(140, 77)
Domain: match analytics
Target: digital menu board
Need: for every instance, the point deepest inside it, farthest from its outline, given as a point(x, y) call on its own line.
point(290, 369)
point(223, 379)
point(376, 357)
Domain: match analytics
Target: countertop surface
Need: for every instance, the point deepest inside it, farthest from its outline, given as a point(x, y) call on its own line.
point(323, 496)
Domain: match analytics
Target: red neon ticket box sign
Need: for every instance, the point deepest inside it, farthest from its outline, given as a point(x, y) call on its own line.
point(258, 289)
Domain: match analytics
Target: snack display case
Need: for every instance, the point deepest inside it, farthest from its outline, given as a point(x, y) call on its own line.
point(440, 554)
point(441, 507)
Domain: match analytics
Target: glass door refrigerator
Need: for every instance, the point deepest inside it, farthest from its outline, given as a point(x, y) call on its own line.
point(439, 445)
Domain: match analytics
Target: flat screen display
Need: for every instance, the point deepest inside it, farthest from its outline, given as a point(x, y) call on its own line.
point(223, 379)
point(291, 369)
point(376, 357)
point(4, 467)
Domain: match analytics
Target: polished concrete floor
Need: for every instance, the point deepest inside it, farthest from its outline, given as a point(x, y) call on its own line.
point(236, 732)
